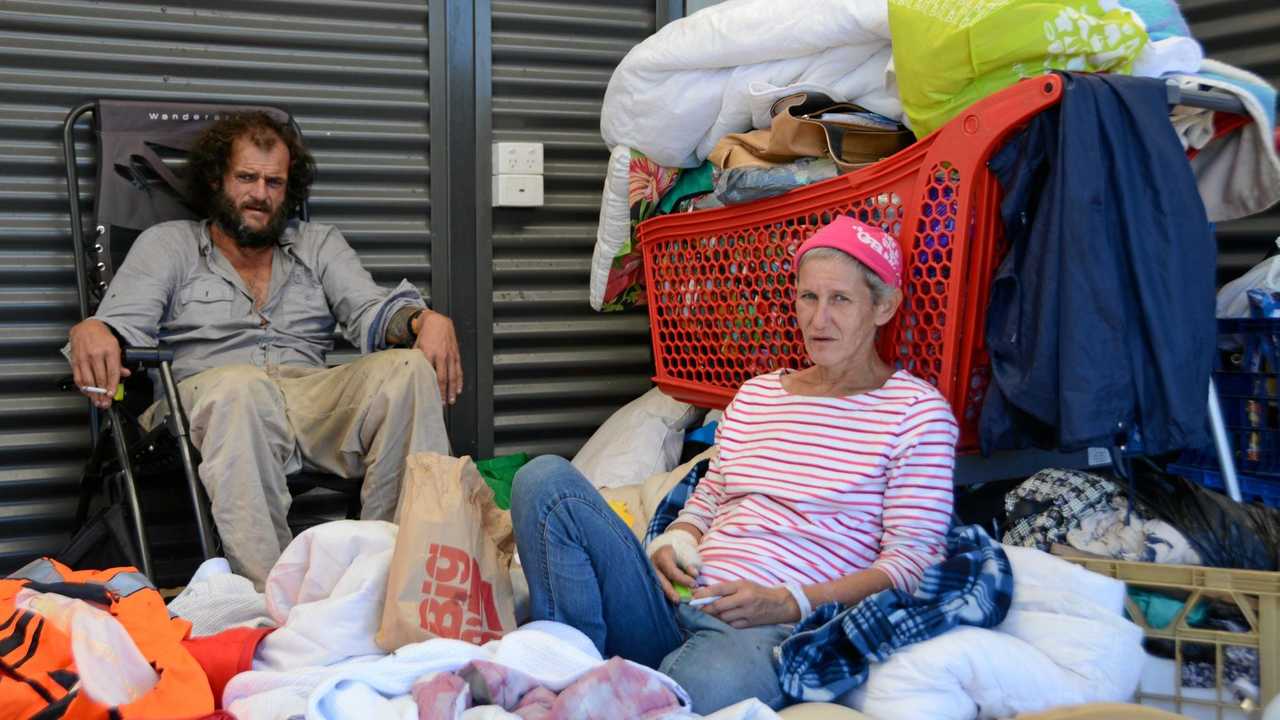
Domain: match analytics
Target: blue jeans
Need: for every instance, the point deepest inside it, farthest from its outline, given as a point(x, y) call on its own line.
point(586, 569)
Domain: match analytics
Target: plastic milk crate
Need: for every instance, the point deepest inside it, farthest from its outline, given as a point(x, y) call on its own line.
point(1255, 594)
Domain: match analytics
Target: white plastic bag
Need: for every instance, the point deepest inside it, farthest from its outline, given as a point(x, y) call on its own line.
point(1233, 300)
point(642, 438)
point(112, 670)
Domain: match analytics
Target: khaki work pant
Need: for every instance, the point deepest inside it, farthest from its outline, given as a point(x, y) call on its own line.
point(254, 426)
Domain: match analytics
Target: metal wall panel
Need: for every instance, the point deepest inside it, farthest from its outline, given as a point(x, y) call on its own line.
point(1244, 33)
point(559, 368)
point(354, 73)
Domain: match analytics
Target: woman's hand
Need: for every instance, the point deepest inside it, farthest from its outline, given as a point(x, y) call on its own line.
point(664, 561)
point(674, 555)
point(745, 604)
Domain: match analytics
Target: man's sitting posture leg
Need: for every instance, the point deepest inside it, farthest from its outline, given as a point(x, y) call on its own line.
point(362, 419)
point(240, 425)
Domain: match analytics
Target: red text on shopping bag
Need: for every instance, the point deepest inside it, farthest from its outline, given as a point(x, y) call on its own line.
point(456, 600)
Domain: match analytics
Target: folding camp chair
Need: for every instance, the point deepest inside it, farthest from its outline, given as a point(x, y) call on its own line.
point(141, 150)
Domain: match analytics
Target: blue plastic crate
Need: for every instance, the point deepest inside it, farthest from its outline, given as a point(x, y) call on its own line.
point(1246, 372)
point(1252, 489)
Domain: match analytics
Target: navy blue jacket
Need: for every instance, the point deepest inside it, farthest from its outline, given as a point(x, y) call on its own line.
point(1102, 315)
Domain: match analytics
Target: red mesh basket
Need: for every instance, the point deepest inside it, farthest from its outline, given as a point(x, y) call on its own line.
point(721, 290)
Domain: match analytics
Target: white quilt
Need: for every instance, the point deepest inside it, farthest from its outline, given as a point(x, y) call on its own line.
point(717, 72)
point(322, 664)
point(1063, 642)
point(615, 222)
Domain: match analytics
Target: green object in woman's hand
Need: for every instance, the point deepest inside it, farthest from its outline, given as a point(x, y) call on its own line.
point(685, 593)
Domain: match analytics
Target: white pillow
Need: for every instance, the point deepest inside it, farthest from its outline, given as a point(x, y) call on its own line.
point(642, 438)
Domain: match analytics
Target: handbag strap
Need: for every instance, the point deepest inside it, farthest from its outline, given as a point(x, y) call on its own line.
point(886, 141)
point(806, 106)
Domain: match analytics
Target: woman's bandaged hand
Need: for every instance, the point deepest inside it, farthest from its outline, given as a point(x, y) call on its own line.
point(684, 546)
point(674, 555)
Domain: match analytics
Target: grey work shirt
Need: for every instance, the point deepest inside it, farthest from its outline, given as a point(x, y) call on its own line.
point(175, 288)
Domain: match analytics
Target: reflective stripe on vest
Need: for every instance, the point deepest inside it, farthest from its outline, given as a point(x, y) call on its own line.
point(39, 570)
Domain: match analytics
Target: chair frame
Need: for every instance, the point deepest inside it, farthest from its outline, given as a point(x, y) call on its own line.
point(160, 359)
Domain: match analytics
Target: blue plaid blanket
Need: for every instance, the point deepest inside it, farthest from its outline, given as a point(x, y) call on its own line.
point(831, 650)
point(673, 503)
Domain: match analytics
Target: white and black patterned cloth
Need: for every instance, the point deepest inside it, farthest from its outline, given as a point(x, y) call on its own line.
point(1044, 508)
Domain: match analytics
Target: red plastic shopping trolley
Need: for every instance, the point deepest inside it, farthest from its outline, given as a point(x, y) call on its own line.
point(720, 286)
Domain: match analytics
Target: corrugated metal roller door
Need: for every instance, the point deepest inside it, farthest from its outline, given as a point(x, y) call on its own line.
point(560, 368)
point(1244, 33)
point(355, 75)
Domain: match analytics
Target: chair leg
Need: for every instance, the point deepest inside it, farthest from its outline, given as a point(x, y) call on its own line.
point(199, 501)
point(90, 482)
point(131, 492)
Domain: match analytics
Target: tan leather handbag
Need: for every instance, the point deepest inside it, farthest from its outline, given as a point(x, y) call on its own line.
point(811, 125)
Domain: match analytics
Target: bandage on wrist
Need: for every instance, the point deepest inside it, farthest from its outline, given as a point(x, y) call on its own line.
point(683, 544)
point(801, 599)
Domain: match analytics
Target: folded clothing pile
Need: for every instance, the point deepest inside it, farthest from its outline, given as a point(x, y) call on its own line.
point(1091, 513)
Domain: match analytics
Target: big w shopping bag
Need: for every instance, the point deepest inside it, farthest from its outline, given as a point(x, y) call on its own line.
point(450, 571)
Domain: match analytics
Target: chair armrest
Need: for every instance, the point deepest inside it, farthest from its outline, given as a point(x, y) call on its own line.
point(147, 356)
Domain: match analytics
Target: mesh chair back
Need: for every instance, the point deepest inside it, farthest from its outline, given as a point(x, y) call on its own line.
point(142, 180)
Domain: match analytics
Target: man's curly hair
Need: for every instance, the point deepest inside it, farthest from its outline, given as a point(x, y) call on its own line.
point(211, 154)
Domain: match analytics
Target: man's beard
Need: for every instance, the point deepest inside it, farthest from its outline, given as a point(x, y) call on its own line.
point(231, 220)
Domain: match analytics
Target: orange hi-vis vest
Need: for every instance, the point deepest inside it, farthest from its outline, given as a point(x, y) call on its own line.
point(37, 671)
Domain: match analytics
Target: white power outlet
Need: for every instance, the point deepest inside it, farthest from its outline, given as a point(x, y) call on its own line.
point(517, 191)
point(517, 158)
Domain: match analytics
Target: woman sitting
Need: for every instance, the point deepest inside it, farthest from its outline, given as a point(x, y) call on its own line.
point(832, 483)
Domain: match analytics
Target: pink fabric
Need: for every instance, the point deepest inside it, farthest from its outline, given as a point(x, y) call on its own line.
point(536, 705)
point(494, 684)
point(616, 689)
point(441, 695)
point(872, 246)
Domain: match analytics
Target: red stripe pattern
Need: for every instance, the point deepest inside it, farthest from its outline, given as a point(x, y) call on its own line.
point(811, 489)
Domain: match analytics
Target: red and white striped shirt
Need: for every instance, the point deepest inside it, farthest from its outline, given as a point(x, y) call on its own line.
point(810, 489)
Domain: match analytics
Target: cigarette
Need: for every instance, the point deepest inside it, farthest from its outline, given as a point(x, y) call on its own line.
point(95, 390)
point(699, 602)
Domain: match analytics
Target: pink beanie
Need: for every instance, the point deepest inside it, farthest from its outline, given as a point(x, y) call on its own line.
point(871, 246)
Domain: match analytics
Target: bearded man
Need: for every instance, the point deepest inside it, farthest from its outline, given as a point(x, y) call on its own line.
point(248, 300)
